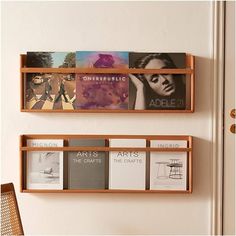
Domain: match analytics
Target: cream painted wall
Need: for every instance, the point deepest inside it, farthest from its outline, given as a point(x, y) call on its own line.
point(132, 26)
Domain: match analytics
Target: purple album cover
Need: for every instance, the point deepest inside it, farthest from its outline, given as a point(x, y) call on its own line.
point(102, 59)
point(102, 91)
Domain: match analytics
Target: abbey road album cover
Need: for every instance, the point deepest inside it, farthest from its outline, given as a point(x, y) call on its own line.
point(50, 91)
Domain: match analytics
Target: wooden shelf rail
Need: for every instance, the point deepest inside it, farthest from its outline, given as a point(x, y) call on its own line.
point(106, 71)
point(102, 191)
point(106, 149)
point(105, 111)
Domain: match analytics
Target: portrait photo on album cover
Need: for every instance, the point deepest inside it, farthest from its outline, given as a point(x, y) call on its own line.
point(157, 91)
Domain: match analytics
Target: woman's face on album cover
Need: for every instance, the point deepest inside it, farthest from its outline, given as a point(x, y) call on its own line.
point(162, 84)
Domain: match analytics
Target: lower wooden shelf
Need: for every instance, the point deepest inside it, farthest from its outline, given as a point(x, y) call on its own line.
point(151, 169)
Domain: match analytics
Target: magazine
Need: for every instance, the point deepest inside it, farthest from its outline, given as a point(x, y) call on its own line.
point(127, 169)
point(44, 168)
point(168, 170)
point(87, 169)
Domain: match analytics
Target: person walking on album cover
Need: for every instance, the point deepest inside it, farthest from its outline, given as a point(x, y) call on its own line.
point(61, 91)
point(158, 91)
point(47, 91)
point(30, 93)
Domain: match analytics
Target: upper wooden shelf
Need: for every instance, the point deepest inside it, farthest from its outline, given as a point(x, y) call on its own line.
point(189, 71)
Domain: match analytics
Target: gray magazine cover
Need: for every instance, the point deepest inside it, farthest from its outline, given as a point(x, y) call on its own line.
point(86, 169)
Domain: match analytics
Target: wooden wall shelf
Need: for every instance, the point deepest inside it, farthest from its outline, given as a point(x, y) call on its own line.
point(189, 71)
point(24, 149)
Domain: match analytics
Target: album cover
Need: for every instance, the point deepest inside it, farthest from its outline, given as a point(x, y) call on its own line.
point(50, 59)
point(102, 59)
point(102, 91)
point(157, 91)
point(50, 91)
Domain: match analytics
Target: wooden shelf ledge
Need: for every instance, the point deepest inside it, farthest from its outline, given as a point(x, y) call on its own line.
point(105, 136)
point(105, 71)
point(107, 111)
point(101, 191)
point(107, 149)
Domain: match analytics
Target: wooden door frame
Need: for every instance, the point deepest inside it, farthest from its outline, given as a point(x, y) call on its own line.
point(217, 117)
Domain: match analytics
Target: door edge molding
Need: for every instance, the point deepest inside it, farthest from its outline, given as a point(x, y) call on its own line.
point(217, 117)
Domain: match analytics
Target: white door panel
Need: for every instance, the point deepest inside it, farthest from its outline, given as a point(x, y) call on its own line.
point(229, 137)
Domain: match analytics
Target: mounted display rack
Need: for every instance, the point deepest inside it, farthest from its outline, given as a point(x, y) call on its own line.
point(69, 106)
point(106, 163)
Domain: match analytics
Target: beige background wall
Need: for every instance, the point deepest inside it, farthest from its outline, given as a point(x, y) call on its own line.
point(132, 26)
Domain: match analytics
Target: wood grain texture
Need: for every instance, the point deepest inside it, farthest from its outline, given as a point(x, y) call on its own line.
point(106, 71)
